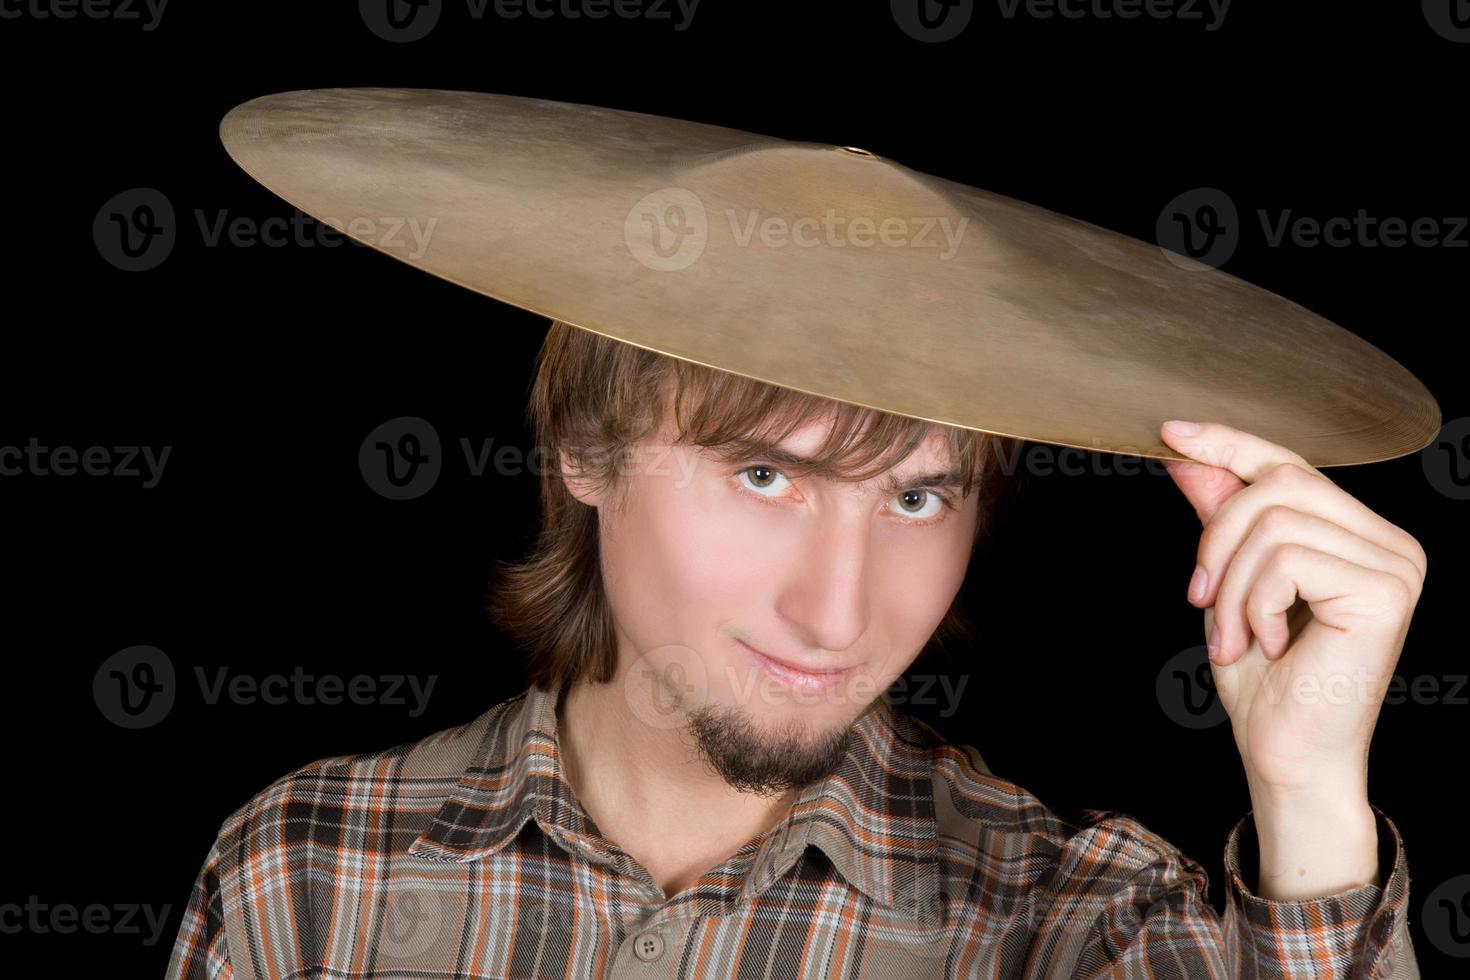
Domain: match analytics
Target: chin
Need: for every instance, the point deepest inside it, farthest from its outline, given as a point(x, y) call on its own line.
point(818, 715)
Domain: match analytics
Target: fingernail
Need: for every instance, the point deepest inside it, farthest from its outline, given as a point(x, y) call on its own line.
point(1214, 643)
point(1182, 428)
point(1197, 583)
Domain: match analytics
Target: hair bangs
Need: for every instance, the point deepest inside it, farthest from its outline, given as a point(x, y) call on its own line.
point(739, 418)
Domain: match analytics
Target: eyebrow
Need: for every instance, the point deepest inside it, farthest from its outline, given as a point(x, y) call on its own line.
point(951, 479)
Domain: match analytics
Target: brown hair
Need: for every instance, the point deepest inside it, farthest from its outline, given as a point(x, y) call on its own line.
point(594, 397)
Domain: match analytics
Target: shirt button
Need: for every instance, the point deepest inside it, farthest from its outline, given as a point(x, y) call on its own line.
point(649, 946)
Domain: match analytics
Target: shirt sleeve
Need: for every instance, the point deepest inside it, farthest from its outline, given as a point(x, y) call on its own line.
point(200, 952)
point(1362, 932)
point(1158, 922)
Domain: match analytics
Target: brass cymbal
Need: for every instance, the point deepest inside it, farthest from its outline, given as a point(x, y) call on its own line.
point(827, 269)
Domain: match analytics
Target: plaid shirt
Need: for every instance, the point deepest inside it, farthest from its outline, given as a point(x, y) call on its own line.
point(467, 855)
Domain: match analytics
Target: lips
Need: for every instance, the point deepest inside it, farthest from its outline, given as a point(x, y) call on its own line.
point(798, 677)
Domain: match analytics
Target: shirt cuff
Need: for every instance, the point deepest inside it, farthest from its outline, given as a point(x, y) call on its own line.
point(1362, 931)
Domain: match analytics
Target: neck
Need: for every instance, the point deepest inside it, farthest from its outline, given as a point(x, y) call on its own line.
point(641, 784)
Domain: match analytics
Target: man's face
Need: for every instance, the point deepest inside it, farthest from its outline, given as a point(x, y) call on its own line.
point(714, 570)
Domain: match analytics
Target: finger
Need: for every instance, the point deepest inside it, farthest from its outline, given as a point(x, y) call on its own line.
point(1242, 453)
point(1275, 526)
point(1292, 487)
point(1205, 487)
point(1342, 595)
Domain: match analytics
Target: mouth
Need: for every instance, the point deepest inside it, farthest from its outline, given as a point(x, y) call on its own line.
point(797, 677)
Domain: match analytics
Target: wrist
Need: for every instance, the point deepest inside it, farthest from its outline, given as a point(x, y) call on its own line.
point(1334, 793)
point(1311, 847)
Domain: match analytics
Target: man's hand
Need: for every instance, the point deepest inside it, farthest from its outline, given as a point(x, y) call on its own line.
point(1311, 594)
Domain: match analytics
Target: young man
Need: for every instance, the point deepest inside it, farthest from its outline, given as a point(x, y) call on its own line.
point(704, 780)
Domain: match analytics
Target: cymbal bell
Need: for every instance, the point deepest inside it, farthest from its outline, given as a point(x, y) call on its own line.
point(826, 269)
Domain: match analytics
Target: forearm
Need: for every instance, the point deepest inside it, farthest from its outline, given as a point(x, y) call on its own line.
point(1316, 844)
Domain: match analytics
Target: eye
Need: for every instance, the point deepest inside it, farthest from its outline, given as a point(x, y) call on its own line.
point(920, 504)
point(914, 506)
point(768, 476)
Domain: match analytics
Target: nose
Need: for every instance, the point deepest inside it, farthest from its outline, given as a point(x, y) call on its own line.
point(825, 598)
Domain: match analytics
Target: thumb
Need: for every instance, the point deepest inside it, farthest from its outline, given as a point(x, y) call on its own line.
point(1205, 487)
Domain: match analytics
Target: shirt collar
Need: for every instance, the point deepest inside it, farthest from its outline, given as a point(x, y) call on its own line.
point(873, 817)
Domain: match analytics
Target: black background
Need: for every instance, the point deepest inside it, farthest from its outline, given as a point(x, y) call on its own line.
point(263, 368)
